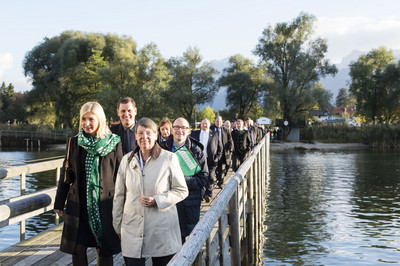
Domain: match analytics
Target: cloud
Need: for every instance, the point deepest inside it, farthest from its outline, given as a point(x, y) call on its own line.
point(6, 61)
point(346, 34)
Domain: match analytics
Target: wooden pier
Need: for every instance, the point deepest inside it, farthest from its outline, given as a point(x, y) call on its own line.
point(228, 233)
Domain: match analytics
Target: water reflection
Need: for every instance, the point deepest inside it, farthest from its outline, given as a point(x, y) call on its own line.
point(331, 208)
point(10, 187)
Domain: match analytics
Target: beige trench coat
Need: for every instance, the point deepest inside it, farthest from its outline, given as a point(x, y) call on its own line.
point(149, 231)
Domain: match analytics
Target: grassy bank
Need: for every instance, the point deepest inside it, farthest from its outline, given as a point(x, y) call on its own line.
point(377, 136)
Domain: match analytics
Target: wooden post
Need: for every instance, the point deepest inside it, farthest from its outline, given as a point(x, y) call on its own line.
point(221, 241)
point(250, 216)
point(58, 171)
point(234, 230)
point(256, 209)
point(22, 183)
point(22, 230)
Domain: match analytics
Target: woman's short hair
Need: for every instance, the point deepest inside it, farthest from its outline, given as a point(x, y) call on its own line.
point(165, 122)
point(146, 123)
point(95, 108)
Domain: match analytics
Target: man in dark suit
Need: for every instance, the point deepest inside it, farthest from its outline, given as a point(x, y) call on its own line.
point(213, 151)
point(253, 132)
point(126, 110)
point(226, 138)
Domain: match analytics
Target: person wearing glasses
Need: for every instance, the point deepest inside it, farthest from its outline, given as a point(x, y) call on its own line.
point(185, 146)
point(149, 184)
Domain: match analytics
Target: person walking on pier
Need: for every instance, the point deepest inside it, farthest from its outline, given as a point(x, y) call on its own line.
point(94, 156)
point(196, 173)
point(242, 145)
point(149, 184)
point(126, 110)
point(226, 138)
point(212, 148)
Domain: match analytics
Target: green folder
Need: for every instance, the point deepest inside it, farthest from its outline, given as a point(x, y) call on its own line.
point(189, 165)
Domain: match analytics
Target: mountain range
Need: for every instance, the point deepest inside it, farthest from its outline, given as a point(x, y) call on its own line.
point(332, 84)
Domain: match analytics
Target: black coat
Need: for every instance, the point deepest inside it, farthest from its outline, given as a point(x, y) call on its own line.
point(108, 171)
point(118, 129)
point(227, 143)
point(189, 208)
point(242, 141)
point(253, 134)
point(214, 146)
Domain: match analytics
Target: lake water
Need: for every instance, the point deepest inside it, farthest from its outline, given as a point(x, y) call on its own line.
point(333, 208)
point(323, 208)
point(10, 187)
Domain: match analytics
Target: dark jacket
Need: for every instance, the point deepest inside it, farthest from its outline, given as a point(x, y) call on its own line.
point(118, 129)
point(189, 208)
point(214, 146)
point(242, 141)
point(254, 136)
point(108, 170)
point(227, 144)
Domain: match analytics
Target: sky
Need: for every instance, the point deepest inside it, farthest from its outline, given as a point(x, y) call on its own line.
point(219, 29)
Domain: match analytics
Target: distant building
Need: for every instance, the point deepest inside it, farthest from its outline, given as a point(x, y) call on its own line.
point(334, 114)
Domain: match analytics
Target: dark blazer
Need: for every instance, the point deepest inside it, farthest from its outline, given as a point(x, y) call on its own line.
point(189, 208)
point(108, 167)
point(253, 134)
point(119, 130)
point(227, 144)
point(242, 141)
point(214, 146)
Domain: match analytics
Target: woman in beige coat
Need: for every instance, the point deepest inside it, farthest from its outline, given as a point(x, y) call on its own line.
point(149, 183)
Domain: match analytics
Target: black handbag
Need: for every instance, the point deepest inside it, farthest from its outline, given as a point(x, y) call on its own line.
point(69, 176)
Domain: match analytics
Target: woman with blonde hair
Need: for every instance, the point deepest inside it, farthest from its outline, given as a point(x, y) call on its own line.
point(93, 156)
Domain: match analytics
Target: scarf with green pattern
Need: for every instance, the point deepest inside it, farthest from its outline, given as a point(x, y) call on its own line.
point(95, 147)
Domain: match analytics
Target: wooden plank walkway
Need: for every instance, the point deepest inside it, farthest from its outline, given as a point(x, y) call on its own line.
point(43, 249)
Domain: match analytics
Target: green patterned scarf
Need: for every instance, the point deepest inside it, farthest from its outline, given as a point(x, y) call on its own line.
point(95, 147)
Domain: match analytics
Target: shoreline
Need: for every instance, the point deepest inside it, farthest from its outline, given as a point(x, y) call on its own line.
point(280, 145)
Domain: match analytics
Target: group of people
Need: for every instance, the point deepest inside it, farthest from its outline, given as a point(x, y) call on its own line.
point(137, 187)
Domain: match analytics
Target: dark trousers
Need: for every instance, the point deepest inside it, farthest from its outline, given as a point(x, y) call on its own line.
point(156, 261)
point(211, 180)
point(238, 158)
point(221, 172)
point(80, 257)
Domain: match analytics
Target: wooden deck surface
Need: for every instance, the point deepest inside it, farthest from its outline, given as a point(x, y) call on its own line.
point(43, 249)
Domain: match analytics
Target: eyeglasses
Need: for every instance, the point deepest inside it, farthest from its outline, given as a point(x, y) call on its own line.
point(178, 127)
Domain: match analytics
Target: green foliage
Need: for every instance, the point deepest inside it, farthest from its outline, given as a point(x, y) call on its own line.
point(377, 136)
point(375, 85)
point(75, 67)
point(295, 62)
point(245, 83)
point(207, 112)
point(11, 105)
point(192, 84)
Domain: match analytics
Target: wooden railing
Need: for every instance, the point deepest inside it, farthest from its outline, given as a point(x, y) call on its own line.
point(20, 208)
point(235, 220)
point(233, 223)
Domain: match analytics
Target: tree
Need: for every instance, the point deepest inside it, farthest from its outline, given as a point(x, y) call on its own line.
point(192, 84)
point(8, 108)
point(245, 84)
point(371, 86)
point(207, 112)
point(295, 62)
point(342, 97)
